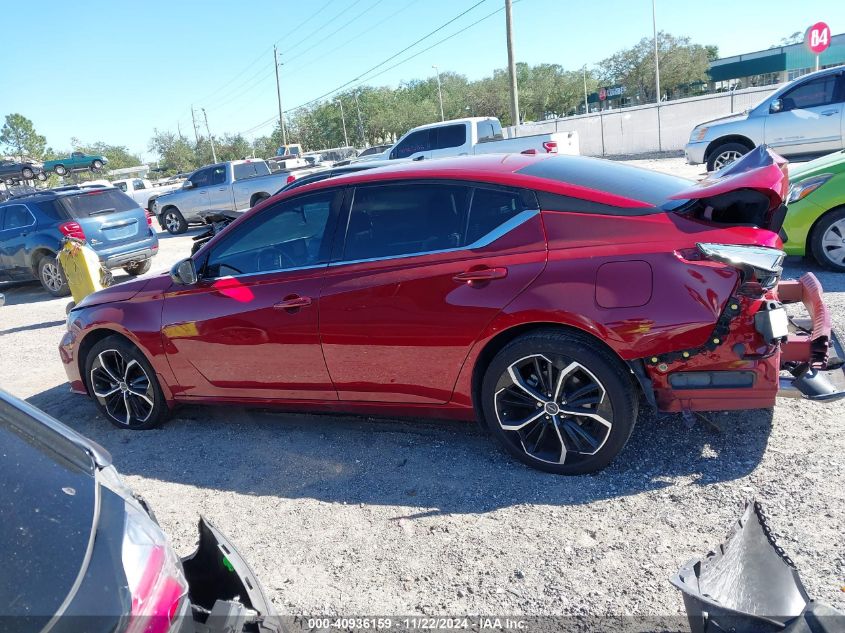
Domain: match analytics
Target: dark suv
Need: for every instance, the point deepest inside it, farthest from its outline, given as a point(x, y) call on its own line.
point(13, 171)
point(33, 227)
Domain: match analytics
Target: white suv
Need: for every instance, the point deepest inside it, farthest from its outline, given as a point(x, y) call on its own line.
point(804, 117)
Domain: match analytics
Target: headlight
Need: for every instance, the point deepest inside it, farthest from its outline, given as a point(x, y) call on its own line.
point(698, 134)
point(800, 190)
point(757, 263)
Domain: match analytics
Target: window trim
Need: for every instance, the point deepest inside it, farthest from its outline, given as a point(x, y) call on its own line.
point(835, 97)
point(18, 228)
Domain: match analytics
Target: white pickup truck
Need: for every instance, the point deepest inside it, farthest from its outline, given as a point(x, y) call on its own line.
point(142, 190)
point(475, 135)
point(231, 186)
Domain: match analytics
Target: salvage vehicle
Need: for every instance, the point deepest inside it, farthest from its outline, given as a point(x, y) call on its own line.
point(543, 294)
point(34, 226)
point(231, 186)
point(89, 555)
point(815, 223)
point(77, 161)
point(143, 191)
point(804, 118)
point(12, 171)
point(474, 135)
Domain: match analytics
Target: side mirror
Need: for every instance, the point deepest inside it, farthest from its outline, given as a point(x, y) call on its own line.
point(776, 106)
point(184, 273)
point(187, 185)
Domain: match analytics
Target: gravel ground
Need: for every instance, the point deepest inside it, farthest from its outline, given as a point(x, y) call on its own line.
point(350, 515)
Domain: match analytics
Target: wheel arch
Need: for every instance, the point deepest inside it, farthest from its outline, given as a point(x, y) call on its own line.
point(39, 253)
point(808, 242)
point(729, 138)
point(257, 197)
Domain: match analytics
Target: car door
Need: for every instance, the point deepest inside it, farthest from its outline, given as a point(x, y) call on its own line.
point(17, 223)
point(448, 140)
point(219, 193)
point(807, 119)
point(415, 145)
point(248, 327)
point(423, 268)
point(197, 200)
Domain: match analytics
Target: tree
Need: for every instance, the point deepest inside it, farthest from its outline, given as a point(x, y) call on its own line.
point(175, 153)
point(19, 135)
point(796, 38)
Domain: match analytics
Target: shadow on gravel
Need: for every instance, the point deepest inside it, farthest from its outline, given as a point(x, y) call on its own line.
point(24, 292)
point(34, 326)
point(433, 467)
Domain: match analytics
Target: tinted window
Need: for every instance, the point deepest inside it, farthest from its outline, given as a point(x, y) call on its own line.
point(218, 175)
point(416, 142)
point(202, 178)
point(251, 169)
point(97, 202)
point(120, 185)
point(288, 235)
point(17, 216)
point(486, 131)
point(449, 136)
point(608, 176)
point(391, 220)
point(138, 184)
point(489, 209)
point(818, 92)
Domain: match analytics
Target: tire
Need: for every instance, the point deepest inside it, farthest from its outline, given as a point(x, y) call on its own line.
point(173, 221)
point(27, 173)
point(139, 269)
point(61, 170)
point(97, 165)
point(827, 240)
point(123, 385)
point(548, 439)
point(258, 199)
point(52, 277)
point(725, 154)
point(41, 176)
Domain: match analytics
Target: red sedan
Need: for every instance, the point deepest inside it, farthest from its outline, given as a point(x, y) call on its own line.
point(544, 295)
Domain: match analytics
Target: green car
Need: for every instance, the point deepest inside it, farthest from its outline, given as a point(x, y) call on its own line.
point(815, 222)
point(77, 161)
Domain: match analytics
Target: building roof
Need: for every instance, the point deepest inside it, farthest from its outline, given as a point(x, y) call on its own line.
point(772, 60)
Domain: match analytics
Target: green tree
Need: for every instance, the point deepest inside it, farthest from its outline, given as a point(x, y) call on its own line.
point(175, 153)
point(118, 156)
point(19, 136)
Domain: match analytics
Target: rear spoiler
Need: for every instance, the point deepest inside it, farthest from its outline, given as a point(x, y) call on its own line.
point(762, 171)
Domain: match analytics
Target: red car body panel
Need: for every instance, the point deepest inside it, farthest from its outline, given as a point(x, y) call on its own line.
point(405, 335)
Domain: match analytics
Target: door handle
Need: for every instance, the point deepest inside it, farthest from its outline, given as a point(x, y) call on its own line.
point(292, 302)
point(481, 275)
point(829, 112)
point(222, 189)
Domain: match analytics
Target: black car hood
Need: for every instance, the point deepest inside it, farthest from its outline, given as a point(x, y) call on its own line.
point(48, 506)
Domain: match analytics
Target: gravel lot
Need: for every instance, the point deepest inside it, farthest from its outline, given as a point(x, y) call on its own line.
point(350, 516)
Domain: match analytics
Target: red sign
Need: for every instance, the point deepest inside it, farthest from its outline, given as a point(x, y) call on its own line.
point(817, 38)
point(602, 94)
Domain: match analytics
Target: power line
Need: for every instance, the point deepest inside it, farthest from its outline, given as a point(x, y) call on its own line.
point(320, 28)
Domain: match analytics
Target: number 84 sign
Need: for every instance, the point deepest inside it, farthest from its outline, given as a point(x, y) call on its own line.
point(817, 37)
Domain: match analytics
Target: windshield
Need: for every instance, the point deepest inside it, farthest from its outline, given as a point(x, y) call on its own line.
point(91, 203)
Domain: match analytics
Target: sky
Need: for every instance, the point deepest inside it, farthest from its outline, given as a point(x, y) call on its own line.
point(115, 71)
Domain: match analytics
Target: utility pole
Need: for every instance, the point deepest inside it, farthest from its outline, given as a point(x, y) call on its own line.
point(656, 75)
point(360, 120)
point(194, 120)
point(439, 92)
point(511, 63)
point(343, 120)
point(586, 105)
point(279, 95)
point(210, 138)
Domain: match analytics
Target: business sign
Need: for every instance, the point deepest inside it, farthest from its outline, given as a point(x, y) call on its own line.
point(611, 93)
point(817, 37)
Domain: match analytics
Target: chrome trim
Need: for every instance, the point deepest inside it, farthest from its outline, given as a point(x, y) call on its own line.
point(500, 231)
point(266, 272)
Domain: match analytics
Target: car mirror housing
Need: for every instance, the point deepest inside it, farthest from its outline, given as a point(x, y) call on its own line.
point(184, 273)
point(187, 185)
point(776, 106)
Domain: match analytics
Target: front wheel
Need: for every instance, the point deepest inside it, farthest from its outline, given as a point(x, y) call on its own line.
point(97, 165)
point(725, 154)
point(27, 173)
point(140, 268)
point(52, 277)
point(174, 221)
point(558, 402)
point(827, 241)
point(41, 176)
point(124, 385)
point(61, 170)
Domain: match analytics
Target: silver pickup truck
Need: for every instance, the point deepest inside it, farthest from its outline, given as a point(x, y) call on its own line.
point(231, 186)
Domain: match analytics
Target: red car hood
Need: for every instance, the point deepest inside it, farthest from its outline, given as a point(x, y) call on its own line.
point(150, 284)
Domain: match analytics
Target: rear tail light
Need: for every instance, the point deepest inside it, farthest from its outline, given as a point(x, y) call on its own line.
point(149, 217)
point(550, 147)
point(759, 264)
point(72, 229)
point(153, 573)
point(290, 179)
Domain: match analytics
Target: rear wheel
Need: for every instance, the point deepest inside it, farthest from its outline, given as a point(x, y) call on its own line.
point(139, 268)
point(725, 154)
point(27, 173)
point(42, 176)
point(61, 170)
point(558, 402)
point(52, 277)
point(261, 197)
point(827, 241)
point(124, 385)
point(174, 221)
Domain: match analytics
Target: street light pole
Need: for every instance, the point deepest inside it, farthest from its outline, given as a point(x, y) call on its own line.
point(586, 105)
point(279, 96)
point(511, 62)
point(656, 58)
point(360, 120)
point(343, 120)
point(210, 137)
point(439, 91)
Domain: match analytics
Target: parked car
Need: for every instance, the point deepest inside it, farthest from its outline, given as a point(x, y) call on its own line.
point(34, 226)
point(805, 117)
point(88, 553)
point(476, 135)
point(77, 161)
point(815, 223)
point(13, 172)
point(292, 149)
point(142, 190)
point(547, 294)
point(336, 170)
point(230, 186)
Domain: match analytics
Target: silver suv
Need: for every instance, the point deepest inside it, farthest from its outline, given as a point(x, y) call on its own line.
point(805, 117)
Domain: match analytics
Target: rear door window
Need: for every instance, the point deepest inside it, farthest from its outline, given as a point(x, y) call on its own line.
point(491, 208)
point(17, 216)
point(250, 170)
point(218, 175)
point(94, 203)
point(449, 136)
